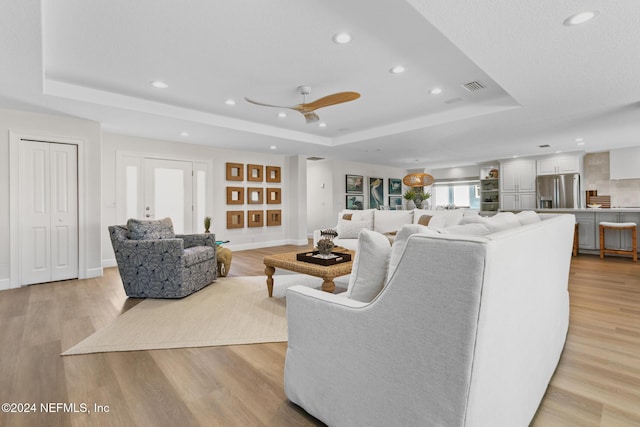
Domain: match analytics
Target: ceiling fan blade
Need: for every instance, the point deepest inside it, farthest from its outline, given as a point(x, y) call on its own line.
point(311, 117)
point(336, 98)
point(263, 104)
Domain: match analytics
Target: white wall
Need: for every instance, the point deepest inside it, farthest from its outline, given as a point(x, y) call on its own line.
point(49, 126)
point(244, 238)
point(323, 204)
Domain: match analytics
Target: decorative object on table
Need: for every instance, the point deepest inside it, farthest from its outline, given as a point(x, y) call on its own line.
point(354, 184)
point(207, 224)
point(355, 202)
point(395, 186)
point(325, 244)
point(410, 196)
point(316, 257)
point(422, 200)
point(376, 192)
point(418, 180)
point(493, 173)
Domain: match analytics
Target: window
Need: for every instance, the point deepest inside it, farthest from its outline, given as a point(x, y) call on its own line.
point(461, 194)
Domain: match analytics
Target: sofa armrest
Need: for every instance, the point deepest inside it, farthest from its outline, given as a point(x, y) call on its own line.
point(324, 297)
point(204, 239)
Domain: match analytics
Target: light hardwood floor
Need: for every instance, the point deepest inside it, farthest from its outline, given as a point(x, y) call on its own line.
point(597, 382)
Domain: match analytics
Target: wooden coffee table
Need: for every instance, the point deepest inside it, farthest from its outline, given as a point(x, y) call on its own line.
point(289, 262)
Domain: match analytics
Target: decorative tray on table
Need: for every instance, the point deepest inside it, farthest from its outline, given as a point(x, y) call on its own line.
point(315, 257)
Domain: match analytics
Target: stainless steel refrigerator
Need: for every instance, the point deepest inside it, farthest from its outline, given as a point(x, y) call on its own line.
point(558, 191)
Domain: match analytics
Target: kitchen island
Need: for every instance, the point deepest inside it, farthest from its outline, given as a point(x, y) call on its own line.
point(588, 220)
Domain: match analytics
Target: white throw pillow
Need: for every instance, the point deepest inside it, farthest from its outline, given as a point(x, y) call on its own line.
point(528, 217)
point(400, 242)
point(389, 221)
point(471, 229)
point(357, 215)
point(349, 229)
point(502, 221)
point(370, 266)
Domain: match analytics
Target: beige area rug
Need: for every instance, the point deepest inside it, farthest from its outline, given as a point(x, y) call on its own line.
point(232, 310)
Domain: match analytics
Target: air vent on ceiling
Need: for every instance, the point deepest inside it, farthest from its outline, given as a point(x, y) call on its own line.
point(315, 158)
point(453, 101)
point(544, 146)
point(473, 86)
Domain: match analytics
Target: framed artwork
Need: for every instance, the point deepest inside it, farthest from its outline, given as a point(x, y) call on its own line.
point(254, 195)
point(235, 219)
point(235, 195)
point(376, 193)
point(354, 184)
point(355, 202)
point(235, 172)
point(254, 173)
point(274, 217)
point(255, 218)
point(273, 174)
point(274, 196)
point(395, 203)
point(395, 186)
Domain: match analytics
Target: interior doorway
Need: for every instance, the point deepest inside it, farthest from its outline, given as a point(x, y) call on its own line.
point(48, 211)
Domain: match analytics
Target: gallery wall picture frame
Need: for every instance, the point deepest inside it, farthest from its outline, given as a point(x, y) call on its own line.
point(274, 196)
point(272, 174)
point(255, 195)
point(354, 184)
point(255, 218)
point(274, 217)
point(235, 219)
point(235, 195)
point(235, 172)
point(395, 203)
point(255, 173)
point(376, 193)
point(395, 186)
point(354, 201)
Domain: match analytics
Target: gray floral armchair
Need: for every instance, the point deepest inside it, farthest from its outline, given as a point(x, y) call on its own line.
point(156, 263)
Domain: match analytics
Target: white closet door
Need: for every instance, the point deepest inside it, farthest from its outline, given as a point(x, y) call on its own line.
point(48, 212)
point(168, 192)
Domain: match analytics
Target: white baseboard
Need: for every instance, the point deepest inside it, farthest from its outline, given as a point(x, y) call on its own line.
point(106, 263)
point(94, 272)
point(5, 284)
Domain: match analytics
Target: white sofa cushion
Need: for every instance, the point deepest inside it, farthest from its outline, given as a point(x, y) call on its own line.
point(357, 215)
point(440, 219)
point(350, 229)
point(369, 270)
point(471, 229)
point(400, 242)
point(390, 221)
point(528, 217)
point(502, 221)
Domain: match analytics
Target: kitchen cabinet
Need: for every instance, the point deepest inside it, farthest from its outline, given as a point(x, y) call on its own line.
point(586, 231)
point(518, 176)
point(559, 164)
point(518, 201)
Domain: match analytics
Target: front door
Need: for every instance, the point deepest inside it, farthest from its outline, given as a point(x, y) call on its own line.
point(168, 192)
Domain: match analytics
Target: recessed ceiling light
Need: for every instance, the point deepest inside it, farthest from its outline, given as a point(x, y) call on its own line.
point(159, 84)
point(580, 143)
point(581, 18)
point(559, 151)
point(273, 147)
point(341, 38)
point(514, 157)
point(397, 69)
point(184, 133)
point(230, 102)
point(322, 125)
point(282, 114)
point(435, 91)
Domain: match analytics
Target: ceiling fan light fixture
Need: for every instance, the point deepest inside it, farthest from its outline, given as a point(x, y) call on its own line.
point(342, 38)
point(581, 17)
point(398, 69)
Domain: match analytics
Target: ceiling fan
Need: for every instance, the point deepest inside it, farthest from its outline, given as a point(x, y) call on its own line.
point(307, 110)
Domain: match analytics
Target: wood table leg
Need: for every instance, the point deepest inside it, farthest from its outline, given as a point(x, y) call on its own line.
point(269, 272)
point(328, 285)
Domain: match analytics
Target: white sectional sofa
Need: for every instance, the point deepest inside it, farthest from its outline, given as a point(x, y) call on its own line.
point(387, 222)
point(467, 330)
